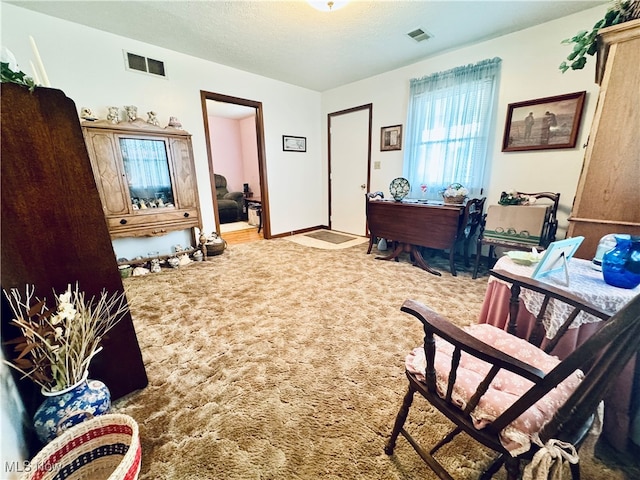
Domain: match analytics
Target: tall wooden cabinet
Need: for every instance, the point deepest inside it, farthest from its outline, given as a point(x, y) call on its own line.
point(53, 229)
point(145, 176)
point(608, 195)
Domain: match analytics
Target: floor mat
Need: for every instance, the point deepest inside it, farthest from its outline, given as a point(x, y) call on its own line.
point(320, 239)
point(331, 237)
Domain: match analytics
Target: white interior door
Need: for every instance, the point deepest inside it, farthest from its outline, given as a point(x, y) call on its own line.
point(349, 156)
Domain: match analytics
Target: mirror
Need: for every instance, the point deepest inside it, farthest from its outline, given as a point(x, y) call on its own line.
point(146, 166)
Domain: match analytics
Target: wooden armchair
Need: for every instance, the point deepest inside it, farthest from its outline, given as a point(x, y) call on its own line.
point(504, 391)
point(548, 234)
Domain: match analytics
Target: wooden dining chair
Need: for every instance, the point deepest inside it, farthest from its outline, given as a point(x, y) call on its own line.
point(504, 391)
point(548, 234)
point(470, 220)
point(473, 213)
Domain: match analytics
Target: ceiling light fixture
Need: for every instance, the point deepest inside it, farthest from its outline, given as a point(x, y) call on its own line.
point(330, 6)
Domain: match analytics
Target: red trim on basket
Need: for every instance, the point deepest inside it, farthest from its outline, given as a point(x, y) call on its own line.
point(134, 469)
point(76, 442)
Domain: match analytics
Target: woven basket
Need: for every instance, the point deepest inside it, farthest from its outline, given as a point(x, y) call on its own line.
point(454, 200)
point(106, 447)
point(215, 248)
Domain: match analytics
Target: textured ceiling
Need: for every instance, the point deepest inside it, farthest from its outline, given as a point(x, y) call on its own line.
point(292, 42)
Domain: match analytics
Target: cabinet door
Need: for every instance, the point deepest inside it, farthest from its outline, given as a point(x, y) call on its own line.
point(186, 189)
point(607, 196)
point(105, 160)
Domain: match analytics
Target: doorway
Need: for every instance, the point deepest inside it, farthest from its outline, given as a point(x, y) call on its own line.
point(349, 168)
point(220, 111)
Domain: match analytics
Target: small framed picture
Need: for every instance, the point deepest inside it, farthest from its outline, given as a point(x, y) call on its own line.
point(545, 123)
point(556, 256)
point(391, 138)
point(294, 144)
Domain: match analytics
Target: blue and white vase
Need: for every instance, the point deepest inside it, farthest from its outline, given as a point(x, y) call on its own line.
point(65, 408)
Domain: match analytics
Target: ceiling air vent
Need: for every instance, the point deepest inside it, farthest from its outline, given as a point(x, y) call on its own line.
point(144, 64)
point(419, 35)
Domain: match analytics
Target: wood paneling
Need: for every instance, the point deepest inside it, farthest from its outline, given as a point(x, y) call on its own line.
point(608, 195)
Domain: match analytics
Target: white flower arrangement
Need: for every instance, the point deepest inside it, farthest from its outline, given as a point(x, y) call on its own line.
point(455, 190)
point(57, 345)
point(514, 198)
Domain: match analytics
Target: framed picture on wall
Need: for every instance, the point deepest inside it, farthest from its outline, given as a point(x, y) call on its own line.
point(391, 138)
point(294, 144)
point(545, 123)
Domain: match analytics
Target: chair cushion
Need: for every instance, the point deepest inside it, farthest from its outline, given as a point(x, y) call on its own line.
point(505, 388)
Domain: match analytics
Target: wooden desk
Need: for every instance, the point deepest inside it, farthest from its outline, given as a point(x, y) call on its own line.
point(412, 225)
point(621, 403)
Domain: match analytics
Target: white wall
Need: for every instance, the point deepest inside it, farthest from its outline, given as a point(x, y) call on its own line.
point(88, 65)
point(530, 60)
point(226, 150)
point(250, 170)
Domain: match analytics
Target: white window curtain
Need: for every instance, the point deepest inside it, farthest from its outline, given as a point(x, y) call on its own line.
point(448, 125)
point(147, 168)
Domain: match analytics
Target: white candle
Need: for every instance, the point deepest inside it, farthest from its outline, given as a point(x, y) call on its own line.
point(36, 77)
point(45, 78)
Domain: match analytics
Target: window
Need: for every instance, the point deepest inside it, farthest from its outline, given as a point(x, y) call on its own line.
point(146, 165)
point(448, 126)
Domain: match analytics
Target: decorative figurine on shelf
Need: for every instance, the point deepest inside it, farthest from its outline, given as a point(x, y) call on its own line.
point(86, 114)
point(153, 119)
point(175, 123)
point(139, 271)
point(113, 116)
point(173, 262)
point(155, 265)
point(132, 112)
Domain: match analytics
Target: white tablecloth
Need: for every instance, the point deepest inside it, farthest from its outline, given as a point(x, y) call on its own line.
point(584, 282)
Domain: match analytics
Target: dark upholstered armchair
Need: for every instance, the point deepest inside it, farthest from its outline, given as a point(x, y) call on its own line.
point(230, 204)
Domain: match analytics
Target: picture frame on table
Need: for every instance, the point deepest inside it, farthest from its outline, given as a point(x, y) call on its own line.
point(294, 144)
point(543, 123)
point(555, 258)
point(391, 138)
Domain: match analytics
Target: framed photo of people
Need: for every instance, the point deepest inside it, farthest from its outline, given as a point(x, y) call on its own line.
point(545, 123)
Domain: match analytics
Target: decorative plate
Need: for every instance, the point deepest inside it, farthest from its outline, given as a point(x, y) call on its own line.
point(399, 188)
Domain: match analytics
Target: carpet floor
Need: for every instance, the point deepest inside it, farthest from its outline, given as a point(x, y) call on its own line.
point(275, 360)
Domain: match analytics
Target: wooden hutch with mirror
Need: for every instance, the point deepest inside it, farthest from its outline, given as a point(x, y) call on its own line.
point(145, 175)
